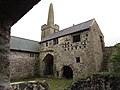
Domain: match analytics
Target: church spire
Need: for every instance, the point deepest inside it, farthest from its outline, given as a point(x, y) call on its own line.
point(50, 15)
point(50, 28)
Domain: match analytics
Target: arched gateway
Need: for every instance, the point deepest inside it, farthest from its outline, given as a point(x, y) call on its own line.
point(67, 72)
point(48, 65)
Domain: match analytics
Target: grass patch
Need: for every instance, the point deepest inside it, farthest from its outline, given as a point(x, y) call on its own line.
point(54, 83)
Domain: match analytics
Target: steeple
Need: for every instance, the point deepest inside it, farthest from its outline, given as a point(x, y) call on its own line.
point(50, 15)
point(50, 28)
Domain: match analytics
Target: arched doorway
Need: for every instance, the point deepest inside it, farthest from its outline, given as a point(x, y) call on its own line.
point(67, 72)
point(48, 62)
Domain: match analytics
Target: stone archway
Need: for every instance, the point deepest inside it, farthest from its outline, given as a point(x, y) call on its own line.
point(67, 72)
point(48, 65)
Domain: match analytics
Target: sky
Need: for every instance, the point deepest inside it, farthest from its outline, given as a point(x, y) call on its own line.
point(69, 12)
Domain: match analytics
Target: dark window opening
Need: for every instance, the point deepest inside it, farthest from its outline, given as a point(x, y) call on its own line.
point(46, 43)
point(57, 74)
point(101, 39)
point(76, 38)
point(77, 59)
point(31, 54)
point(55, 41)
point(80, 47)
point(102, 42)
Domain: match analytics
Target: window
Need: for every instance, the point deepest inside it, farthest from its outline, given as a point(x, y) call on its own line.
point(102, 42)
point(76, 38)
point(55, 41)
point(31, 54)
point(101, 39)
point(57, 74)
point(46, 44)
point(77, 59)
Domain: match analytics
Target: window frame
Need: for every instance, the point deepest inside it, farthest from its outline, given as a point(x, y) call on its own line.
point(76, 38)
point(55, 41)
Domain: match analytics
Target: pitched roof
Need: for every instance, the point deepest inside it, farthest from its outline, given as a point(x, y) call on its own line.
point(21, 44)
point(70, 30)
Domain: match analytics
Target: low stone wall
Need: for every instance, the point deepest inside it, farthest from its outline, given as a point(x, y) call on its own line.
point(96, 83)
point(30, 86)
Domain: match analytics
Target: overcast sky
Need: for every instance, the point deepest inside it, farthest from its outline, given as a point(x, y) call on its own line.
point(69, 12)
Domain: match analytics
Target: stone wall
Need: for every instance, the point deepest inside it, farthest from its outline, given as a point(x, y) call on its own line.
point(30, 86)
point(106, 66)
point(89, 50)
point(22, 64)
point(96, 83)
point(98, 45)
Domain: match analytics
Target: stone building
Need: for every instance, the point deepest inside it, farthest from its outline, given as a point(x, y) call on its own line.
point(23, 57)
point(74, 52)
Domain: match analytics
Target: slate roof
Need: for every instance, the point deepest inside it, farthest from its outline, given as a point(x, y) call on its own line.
point(22, 44)
point(70, 30)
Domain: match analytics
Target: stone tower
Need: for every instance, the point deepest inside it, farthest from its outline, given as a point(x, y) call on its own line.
point(50, 28)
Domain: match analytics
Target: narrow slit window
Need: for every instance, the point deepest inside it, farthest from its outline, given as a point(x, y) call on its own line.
point(77, 59)
point(55, 41)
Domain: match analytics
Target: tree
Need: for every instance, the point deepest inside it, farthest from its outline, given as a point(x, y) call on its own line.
point(115, 59)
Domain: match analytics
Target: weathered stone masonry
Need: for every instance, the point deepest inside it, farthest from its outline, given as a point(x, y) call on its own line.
point(5, 26)
point(77, 50)
point(23, 58)
point(21, 65)
point(74, 52)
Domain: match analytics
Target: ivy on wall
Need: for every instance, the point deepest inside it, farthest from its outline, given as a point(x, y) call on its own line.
point(115, 59)
point(36, 66)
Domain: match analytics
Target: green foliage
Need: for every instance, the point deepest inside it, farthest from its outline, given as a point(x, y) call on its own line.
point(54, 83)
point(36, 67)
point(54, 69)
point(107, 74)
point(115, 59)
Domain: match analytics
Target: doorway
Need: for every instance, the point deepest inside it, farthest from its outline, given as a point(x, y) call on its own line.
point(67, 72)
point(48, 62)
